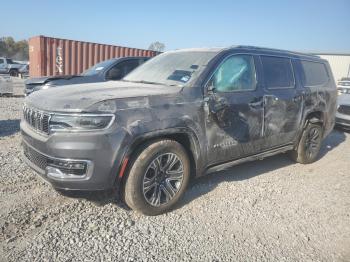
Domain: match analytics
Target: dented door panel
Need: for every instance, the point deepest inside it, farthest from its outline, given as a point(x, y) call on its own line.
point(234, 122)
point(283, 112)
point(235, 129)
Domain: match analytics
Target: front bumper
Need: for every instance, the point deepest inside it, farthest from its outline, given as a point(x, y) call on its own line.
point(343, 122)
point(99, 152)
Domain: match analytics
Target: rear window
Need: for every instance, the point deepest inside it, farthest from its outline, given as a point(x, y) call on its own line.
point(315, 74)
point(278, 72)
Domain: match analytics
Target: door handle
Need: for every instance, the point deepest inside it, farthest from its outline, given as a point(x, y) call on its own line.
point(273, 97)
point(256, 104)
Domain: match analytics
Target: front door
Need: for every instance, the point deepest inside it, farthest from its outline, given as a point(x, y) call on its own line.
point(234, 110)
point(283, 102)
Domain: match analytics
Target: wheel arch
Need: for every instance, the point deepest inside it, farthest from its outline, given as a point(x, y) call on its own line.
point(315, 117)
point(184, 136)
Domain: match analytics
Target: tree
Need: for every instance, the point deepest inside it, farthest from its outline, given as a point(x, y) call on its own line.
point(157, 46)
point(12, 49)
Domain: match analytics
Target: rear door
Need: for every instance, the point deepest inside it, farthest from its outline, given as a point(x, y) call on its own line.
point(283, 101)
point(234, 110)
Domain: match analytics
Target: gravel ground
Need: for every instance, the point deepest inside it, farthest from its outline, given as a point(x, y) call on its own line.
point(270, 210)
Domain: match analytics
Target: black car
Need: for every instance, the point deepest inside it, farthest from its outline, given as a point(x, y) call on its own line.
point(113, 69)
point(182, 114)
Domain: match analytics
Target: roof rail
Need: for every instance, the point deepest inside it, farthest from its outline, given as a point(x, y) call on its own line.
point(273, 50)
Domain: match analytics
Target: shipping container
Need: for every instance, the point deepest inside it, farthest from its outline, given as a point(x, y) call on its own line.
point(53, 56)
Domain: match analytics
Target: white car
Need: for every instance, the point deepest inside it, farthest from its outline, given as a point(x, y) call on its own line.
point(343, 109)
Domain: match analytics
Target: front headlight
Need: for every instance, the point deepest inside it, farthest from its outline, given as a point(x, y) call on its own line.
point(80, 122)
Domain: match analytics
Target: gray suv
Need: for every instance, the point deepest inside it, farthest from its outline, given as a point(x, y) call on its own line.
point(182, 114)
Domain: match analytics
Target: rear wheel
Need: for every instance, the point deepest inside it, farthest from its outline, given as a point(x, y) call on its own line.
point(158, 177)
point(13, 73)
point(309, 144)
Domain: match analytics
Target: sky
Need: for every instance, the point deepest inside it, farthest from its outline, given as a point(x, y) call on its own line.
point(299, 25)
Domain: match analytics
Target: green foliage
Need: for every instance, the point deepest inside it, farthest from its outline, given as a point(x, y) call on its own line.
point(12, 49)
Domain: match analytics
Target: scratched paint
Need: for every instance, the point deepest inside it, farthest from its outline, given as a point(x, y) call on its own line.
point(221, 127)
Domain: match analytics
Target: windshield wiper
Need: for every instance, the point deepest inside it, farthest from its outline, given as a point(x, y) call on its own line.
point(151, 83)
point(144, 82)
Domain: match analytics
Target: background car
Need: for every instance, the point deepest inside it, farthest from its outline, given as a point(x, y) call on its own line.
point(23, 72)
point(113, 69)
point(343, 86)
point(8, 66)
point(343, 109)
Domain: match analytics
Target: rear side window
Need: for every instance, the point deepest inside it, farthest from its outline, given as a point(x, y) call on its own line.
point(278, 72)
point(315, 74)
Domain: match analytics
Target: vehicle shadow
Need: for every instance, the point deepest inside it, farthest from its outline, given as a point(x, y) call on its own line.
point(205, 184)
point(9, 127)
point(335, 138)
point(99, 198)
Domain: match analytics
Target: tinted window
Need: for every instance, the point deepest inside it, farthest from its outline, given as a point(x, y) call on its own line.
point(236, 73)
point(314, 73)
point(122, 69)
point(278, 72)
point(1, 61)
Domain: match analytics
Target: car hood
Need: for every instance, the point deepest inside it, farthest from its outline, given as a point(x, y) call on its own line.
point(45, 79)
point(79, 97)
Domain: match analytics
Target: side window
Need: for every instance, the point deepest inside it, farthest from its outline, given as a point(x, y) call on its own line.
point(122, 69)
point(236, 73)
point(1, 61)
point(278, 72)
point(314, 74)
point(143, 60)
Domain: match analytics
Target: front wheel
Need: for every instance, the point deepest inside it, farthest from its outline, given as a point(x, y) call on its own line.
point(309, 144)
point(158, 177)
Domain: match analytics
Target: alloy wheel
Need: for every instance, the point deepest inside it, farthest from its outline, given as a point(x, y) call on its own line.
point(163, 179)
point(312, 142)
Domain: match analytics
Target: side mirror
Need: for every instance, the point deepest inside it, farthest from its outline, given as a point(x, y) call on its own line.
point(210, 87)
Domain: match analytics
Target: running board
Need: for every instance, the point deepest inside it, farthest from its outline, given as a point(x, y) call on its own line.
point(259, 156)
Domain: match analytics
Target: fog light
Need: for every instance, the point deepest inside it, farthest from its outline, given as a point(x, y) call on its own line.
point(60, 168)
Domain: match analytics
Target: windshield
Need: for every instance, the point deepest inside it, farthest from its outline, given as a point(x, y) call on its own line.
point(172, 68)
point(94, 70)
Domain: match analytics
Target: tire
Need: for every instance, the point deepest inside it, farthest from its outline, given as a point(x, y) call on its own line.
point(157, 178)
point(309, 144)
point(13, 73)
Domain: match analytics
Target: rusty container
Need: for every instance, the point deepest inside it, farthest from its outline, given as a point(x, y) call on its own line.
point(53, 56)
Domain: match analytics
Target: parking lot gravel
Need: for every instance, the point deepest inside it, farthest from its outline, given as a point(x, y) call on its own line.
point(269, 210)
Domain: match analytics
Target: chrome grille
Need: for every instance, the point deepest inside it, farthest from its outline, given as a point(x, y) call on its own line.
point(344, 109)
point(37, 119)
